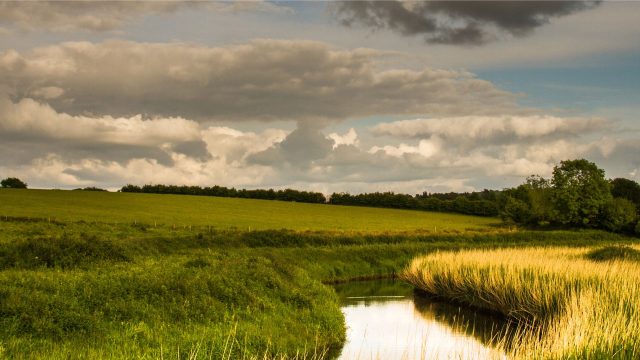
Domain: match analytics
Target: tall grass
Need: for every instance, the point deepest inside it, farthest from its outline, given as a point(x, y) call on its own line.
point(566, 306)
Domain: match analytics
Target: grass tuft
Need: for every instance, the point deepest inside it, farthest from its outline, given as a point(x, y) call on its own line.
point(612, 253)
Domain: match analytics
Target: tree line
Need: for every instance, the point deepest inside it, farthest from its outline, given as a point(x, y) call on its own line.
point(476, 203)
point(221, 191)
point(577, 195)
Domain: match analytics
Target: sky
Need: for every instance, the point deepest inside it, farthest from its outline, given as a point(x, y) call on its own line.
point(355, 97)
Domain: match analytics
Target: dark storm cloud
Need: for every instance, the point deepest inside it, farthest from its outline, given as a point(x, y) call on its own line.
point(455, 22)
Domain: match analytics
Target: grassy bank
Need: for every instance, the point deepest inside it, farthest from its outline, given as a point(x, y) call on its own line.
point(569, 303)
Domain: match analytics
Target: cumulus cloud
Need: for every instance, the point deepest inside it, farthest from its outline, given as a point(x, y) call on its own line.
point(98, 16)
point(456, 22)
point(260, 80)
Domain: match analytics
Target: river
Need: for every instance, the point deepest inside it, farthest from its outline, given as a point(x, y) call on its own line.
point(387, 320)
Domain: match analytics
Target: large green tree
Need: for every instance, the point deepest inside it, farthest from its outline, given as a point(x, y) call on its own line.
point(580, 191)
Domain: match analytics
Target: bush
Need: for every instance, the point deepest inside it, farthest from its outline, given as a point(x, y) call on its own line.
point(13, 183)
point(516, 211)
point(59, 252)
point(618, 214)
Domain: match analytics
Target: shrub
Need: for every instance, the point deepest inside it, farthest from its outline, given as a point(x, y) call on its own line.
point(618, 214)
point(60, 252)
point(13, 183)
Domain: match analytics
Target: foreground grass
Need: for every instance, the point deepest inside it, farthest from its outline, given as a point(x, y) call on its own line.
point(566, 305)
point(224, 213)
point(99, 290)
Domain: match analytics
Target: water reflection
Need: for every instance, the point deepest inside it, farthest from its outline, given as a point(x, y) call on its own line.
point(386, 320)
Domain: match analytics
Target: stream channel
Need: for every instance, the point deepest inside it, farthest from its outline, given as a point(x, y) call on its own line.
point(387, 319)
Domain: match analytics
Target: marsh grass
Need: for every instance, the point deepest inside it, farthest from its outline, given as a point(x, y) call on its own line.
point(566, 307)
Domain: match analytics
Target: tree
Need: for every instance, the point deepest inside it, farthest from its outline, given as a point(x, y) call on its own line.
point(13, 183)
point(627, 189)
point(580, 191)
point(618, 214)
point(529, 203)
point(516, 211)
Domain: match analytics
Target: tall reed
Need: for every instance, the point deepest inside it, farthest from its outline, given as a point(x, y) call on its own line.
point(566, 306)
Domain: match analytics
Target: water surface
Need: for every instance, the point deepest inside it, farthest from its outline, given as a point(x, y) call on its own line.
point(387, 320)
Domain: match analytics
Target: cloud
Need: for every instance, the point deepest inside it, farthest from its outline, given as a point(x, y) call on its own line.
point(350, 138)
point(235, 146)
point(37, 120)
point(299, 149)
point(48, 92)
point(493, 129)
point(29, 129)
point(260, 80)
point(425, 148)
point(53, 170)
point(456, 22)
point(81, 15)
point(100, 16)
point(56, 149)
point(52, 149)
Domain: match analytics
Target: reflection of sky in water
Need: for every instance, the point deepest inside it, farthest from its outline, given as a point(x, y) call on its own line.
point(392, 328)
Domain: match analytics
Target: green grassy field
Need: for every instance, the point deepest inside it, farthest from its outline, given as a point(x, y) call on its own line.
point(110, 276)
point(242, 214)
